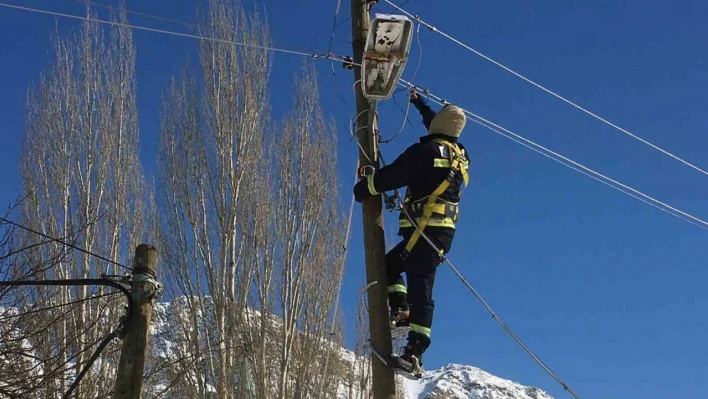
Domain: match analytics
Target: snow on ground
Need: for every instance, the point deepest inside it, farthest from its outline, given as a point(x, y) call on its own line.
point(456, 381)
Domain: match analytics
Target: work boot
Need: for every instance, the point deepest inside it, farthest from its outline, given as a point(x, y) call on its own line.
point(410, 362)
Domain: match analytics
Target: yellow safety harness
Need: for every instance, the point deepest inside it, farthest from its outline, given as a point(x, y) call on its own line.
point(436, 212)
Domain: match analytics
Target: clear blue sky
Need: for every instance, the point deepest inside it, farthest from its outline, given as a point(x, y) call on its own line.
point(610, 292)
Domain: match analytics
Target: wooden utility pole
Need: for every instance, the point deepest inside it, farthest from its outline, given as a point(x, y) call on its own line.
point(384, 385)
point(132, 358)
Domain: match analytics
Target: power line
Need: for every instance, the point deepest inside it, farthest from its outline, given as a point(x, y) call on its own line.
point(2, 219)
point(174, 21)
point(81, 282)
point(572, 164)
point(403, 124)
point(55, 372)
point(179, 34)
point(334, 26)
point(125, 324)
point(344, 255)
point(474, 292)
point(341, 277)
point(339, 93)
point(344, 21)
point(57, 306)
point(403, 110)
point(538, 85)
point(415, 73)
point(534, 146)
point(477, 295)
point(27, 248)
point(104, 343)
point(347, 19)
point(404, 3)
point(141, 14)
point(563, 160)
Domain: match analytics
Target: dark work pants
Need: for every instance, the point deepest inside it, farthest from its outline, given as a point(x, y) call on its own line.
point(420, 267)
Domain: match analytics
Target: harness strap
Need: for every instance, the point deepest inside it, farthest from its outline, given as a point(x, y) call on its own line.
point(432, 205)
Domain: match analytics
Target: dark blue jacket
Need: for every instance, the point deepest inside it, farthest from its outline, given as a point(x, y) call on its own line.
point(415, 168)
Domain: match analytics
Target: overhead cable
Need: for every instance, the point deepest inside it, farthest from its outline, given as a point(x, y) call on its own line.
point(140, 14)
point(489, 309)
point(334, 26)
point(57, 306)
point(124, 325)
point(554, 94)
point(477, 295)
point(563, 160)
point(408, 106)
point(179, 34)
point(103, 258)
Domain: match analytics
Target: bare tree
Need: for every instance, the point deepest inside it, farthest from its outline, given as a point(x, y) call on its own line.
point(251, 224)
point(310, 231)
point(13, 365)
point(211, 143)
point(83, 183)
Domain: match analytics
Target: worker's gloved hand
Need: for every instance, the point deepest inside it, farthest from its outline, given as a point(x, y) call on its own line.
point(414, 95)
point(416, 99)
point(361, 191)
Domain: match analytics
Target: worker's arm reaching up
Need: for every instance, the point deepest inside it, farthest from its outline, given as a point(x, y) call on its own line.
point(425, 111)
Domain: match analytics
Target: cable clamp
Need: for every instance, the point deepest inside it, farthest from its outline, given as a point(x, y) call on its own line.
point(347, 62)
point(157, 287)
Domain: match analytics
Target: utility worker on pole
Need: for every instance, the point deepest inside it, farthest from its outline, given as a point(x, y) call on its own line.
point(434, 171)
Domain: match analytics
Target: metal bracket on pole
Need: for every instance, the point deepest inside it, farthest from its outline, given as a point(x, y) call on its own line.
point(157, 287)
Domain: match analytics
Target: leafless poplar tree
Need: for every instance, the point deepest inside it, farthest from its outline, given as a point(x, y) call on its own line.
point(83, 183)
point(310, 232)
point(211, 144)
point(251, 229)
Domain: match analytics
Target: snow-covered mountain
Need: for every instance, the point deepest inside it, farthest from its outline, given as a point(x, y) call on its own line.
point(453, 381)
point(456, 381)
